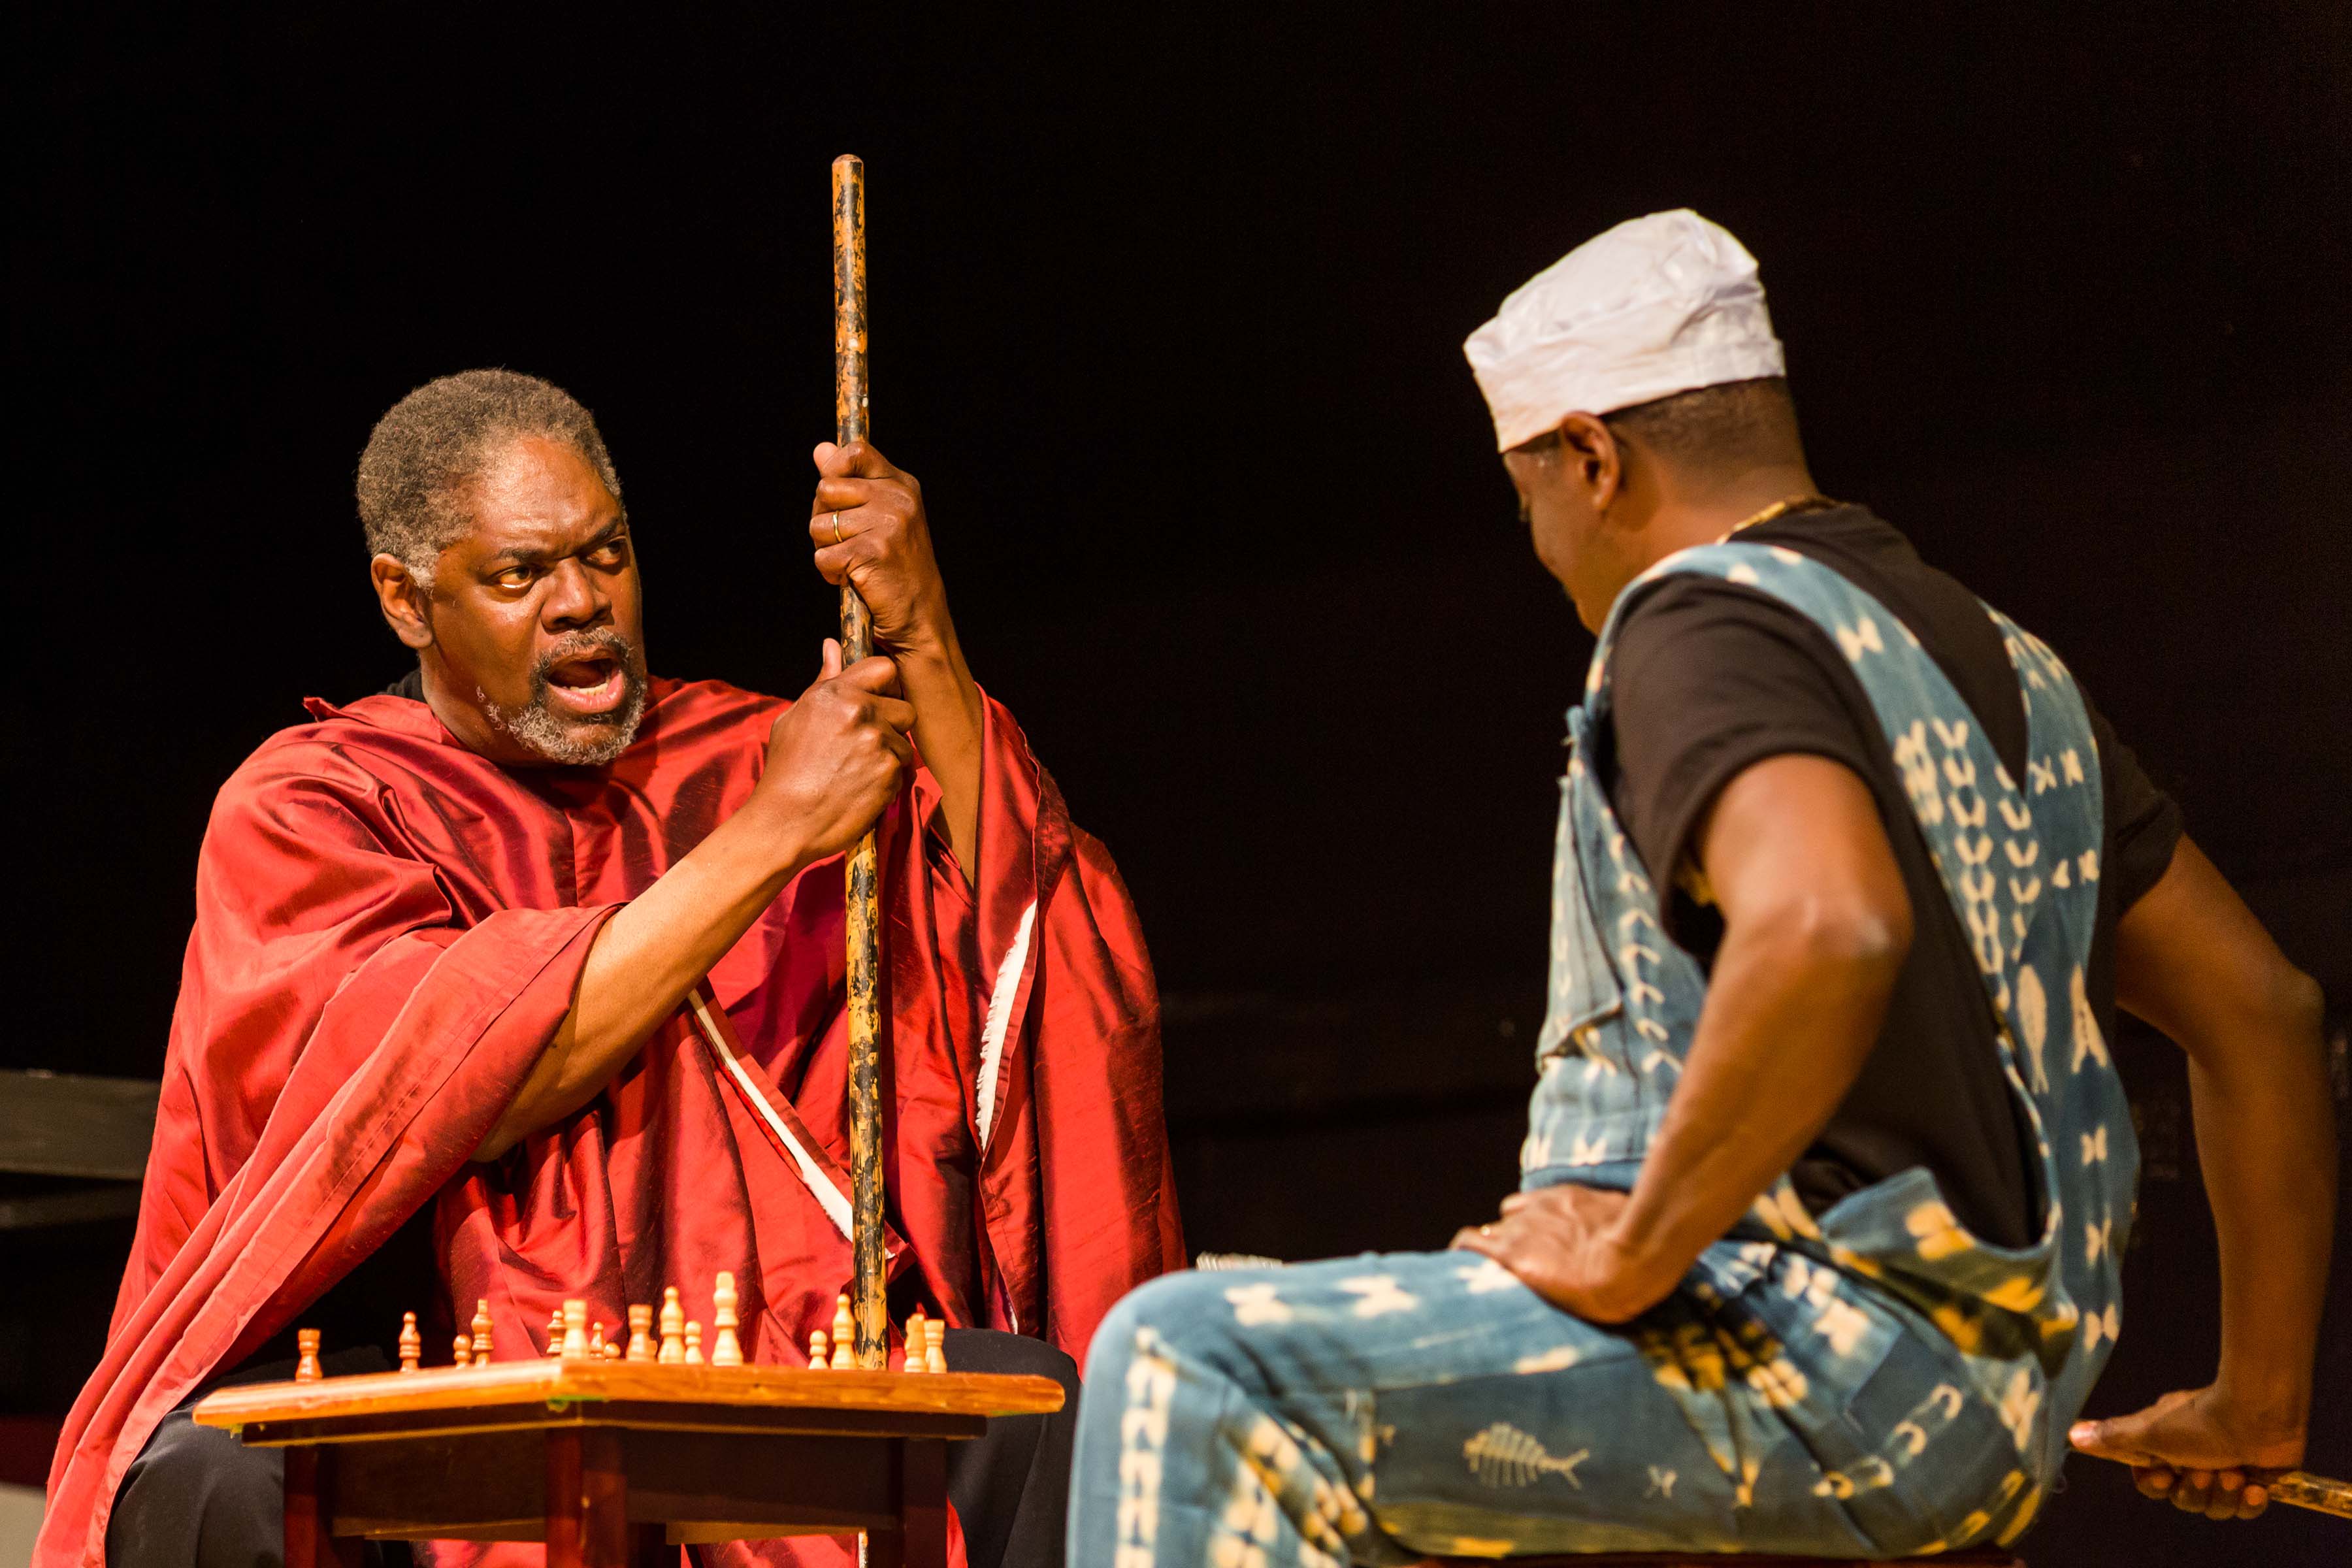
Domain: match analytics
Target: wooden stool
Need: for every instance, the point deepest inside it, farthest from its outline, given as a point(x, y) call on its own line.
point(1982, 1557)
point(619, 1462)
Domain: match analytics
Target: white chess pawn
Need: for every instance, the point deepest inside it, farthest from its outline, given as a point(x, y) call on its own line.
point(693, 1343)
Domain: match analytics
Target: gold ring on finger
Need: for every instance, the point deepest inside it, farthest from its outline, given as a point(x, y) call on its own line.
point(836, 528)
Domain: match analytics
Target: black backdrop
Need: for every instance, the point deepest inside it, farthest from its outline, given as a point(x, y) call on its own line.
point(1167, 314)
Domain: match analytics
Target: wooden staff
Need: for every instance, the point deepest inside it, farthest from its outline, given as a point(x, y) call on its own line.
point(869, 1311)
point(2301, 1489)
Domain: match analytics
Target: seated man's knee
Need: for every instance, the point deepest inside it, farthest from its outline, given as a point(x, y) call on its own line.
point(197, 1496)
point(986, 1350)
point(1190, 1313)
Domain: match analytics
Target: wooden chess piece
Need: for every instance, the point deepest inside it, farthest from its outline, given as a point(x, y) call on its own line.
point(935, 1348)
point(725, 1348)
point(672, 1330)
point(461, 1351)
point(693, 1343)
point(411, 1343)
point(481, 1327)
point(306, 1369)
point(595, 1341)
point(845, 1330)
point(916, 1341)
point(575, 1330)
point(612, 1350)
point(641, 1336)
point(816, 1350)
point(555, 1332)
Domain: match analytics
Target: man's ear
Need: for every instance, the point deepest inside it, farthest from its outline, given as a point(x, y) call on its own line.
point(1593, 457)
point(403, 600)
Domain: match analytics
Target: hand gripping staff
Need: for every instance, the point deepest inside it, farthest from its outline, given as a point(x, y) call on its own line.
point(866, 1304)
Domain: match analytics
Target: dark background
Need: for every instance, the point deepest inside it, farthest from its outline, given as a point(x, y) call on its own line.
point(1167, 315)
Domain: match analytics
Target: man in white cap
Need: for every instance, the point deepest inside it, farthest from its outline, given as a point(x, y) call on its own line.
point(1828, 1171)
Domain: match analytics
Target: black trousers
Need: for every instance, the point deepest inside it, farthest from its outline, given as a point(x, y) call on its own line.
point(197, 1497)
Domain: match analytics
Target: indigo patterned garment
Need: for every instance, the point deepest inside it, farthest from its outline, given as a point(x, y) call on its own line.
point(1869, 1382)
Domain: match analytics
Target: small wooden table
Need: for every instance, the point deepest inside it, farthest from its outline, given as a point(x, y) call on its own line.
point(611, 1463)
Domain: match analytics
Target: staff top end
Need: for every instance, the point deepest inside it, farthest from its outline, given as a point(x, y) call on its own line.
point(848, 164)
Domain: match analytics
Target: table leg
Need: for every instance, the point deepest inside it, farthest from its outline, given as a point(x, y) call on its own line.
point(587, 1499)
point(310, 1509)
point(922, 1540)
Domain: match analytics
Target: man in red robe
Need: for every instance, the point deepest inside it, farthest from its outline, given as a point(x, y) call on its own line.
point(523, 980)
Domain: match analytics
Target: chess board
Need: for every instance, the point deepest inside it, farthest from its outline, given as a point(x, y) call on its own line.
point(612, 1453)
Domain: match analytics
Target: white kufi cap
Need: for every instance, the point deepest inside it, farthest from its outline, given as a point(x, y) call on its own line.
point(1657, 305)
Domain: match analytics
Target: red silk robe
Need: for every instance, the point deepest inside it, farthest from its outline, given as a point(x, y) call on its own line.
point(389, 927)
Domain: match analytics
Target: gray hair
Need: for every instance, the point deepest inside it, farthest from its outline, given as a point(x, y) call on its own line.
point(436, 441)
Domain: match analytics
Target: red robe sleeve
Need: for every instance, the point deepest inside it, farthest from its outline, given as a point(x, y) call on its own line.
point(1076, 1186)
point(340, 1048)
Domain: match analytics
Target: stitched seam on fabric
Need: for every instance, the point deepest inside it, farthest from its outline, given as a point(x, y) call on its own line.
point(828, 1196)
point(1000, 1015)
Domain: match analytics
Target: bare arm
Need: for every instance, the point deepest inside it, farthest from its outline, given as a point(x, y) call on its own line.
point(883, 546)
point(2192, 959)
point(1816, 928)
point(835, 760)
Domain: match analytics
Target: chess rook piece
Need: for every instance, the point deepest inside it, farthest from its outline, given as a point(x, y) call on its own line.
point(916, 1341)
point(725, 1348)
point(672, 1330)
point(306, 1369)
point(816, 1350)
point(693, 1343)
point(641, 1336)
point(935, 1346)
point(575, 1330)
point(481, 1327)
point(555, 1332)
point(461, 1351)
point(845, 1331)
point(411, 1343)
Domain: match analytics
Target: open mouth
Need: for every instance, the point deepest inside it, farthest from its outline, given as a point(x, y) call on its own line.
point(589, 684)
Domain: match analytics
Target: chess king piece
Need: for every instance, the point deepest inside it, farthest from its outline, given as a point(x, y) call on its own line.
point(575, 1330)
point(845, 1330)
point(641, 1337)
point(725, 1348)
point(411, 1343)
point(306, 1369)
point(672, 1330)
point(481, 1327)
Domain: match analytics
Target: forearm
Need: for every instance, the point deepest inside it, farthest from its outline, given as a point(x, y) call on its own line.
point(1792, 1013)
point(2266, 1138)
point(951, 729)
point(648, 957)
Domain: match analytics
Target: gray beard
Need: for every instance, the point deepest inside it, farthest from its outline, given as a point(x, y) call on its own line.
point(573, 741)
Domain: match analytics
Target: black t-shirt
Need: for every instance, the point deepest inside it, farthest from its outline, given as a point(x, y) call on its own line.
point(1711, 678)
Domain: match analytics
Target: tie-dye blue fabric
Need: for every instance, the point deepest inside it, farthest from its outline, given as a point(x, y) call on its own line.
point(1871, 1381)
